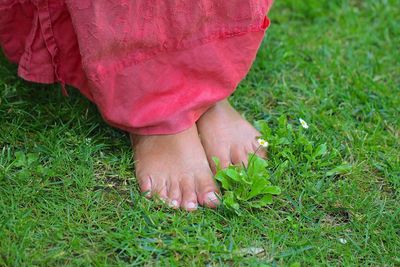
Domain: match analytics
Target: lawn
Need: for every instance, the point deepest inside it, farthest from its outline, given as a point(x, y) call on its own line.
point(68, 195)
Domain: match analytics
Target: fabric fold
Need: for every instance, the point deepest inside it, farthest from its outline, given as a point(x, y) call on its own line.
point(151, 67)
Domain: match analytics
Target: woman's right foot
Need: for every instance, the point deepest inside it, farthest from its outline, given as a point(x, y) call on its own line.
point(175, 169)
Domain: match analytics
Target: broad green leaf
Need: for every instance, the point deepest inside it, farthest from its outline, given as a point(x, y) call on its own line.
point(283, 141)
point(263, 189)
point(20, 159)
point(273, 190)
point(264, 201)
point(256, 165)
point(217, 163)
point(257, 187)
point(229, 200)
point(31, 158)
point(320, 151)
point(342, 169)
point(233, 174)
point(221, 176)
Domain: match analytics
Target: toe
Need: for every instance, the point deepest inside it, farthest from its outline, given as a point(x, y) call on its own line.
point(207, 191)
point(145, 184)
point(174, 193)
point(238, 155)
point(159, 187)
point(189, 198)
point(224, 161)
point(260, 151)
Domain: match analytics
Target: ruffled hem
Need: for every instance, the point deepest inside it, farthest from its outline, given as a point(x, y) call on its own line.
point(185, 106)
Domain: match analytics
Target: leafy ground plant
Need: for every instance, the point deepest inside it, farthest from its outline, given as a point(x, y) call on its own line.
point(246, 187)
point(290, 149)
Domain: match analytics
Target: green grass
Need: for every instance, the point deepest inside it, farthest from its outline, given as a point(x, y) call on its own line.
point(68, 195)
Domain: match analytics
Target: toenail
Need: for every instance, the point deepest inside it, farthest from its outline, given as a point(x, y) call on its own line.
point(191, 205)
point(211, 196)
point(174, 204)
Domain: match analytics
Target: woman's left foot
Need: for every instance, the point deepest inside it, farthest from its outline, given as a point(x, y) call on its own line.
point(225, 134)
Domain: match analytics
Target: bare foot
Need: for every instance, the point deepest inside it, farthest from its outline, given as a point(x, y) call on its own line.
point(175, 169)
point(227, 135)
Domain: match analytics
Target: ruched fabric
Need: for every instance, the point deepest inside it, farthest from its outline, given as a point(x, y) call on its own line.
point(151, 67)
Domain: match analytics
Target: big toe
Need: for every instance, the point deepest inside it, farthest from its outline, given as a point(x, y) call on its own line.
point(145, 184)
point(207, 191)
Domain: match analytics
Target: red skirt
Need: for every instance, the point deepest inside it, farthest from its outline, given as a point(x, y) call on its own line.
point(151, 67)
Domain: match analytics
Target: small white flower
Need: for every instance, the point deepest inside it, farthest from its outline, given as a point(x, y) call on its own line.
point(303, 123)
point(262, 142)
point(343, 241)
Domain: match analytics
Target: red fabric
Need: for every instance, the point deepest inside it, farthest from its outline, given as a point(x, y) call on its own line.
point(151, 67)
